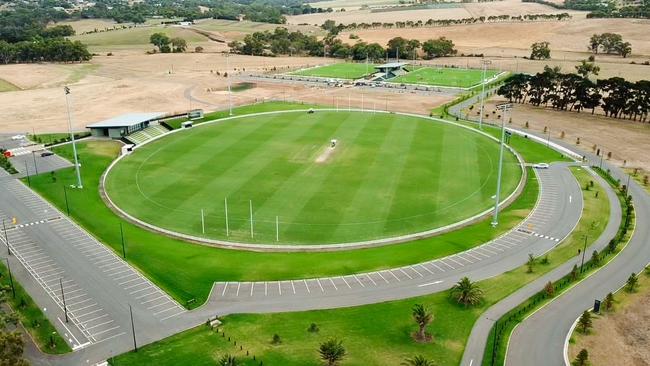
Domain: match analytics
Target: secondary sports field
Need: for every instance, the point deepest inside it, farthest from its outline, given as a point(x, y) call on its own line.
point(339, 71)
point(462, 78)
point(388, 175)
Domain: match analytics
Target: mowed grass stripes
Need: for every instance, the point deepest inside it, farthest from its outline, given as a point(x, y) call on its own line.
point(388, 175)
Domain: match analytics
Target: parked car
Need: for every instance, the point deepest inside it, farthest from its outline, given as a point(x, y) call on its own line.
point(47, 153)
point(541, 166)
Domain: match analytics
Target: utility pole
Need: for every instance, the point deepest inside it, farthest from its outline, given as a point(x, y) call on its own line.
point(74, 145)
point(480, 118)
point(29, 182)
point(584, 249)
point(503, 107)
point(35, 166)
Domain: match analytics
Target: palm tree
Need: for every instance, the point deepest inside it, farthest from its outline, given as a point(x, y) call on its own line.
point(423, 317)
point(467, 292)
point(227, 360)
point(609, 301)
point(418, 361)
point(531, 260)
point(332, 351)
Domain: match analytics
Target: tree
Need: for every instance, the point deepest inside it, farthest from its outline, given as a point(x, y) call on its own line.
point(179, 44)
point(585, 68)
point(418, 360)
point(530, 263)
point(623, 48)
point(422, 317)
point(585, 322)
point(595, 257)
point(160, 40)
point(332, 351)
point(609, 301)
point(227, 360)
point(582, 358)
point(11, 343)
point(540, 51)
point(467, 292)
point(632, 283)
point(397, 46)
point(438, 48)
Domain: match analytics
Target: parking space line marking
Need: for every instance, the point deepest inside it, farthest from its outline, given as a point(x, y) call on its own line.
point(266, 288)
point(357, 278)
point(416, 271)
point(446, 264)
point(333, 284)
point(382, 277)
point(280, 287)
point(371, 280)
point(252, 288)
point(391, 272)
point(307, 286)
point(426, 269)
point(346, 282)
point(154, 299)
point(435, 265)
point(225, 287)
point(238, 287)
point(320, 285)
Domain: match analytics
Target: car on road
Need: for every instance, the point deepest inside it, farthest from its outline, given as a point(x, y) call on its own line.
point(46, 153)
point(17, 137)
point(541, 166)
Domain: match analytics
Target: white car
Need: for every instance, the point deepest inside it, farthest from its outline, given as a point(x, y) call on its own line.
point(17, 137)
point(541, 166)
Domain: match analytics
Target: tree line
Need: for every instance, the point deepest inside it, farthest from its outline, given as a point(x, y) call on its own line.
point(283, 42)
point(601, 9)
point(447, 22)
point(617, 97)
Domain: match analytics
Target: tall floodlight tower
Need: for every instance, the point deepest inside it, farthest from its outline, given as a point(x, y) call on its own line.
point(229, 86)
point(74, 145)
point(503, 107)
point(480, 118)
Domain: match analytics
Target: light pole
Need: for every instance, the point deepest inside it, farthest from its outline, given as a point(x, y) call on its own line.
point(503, 107)
point(74, 145)
point(11, 279)
point(480, 118)
point(584, 249)
point(229, 88)
point(135, 344)
point(65, 195)
point(65, 308)
point(35, 166)
point(4, 228)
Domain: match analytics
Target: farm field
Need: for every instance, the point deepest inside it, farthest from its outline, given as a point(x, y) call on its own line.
point(283, 165)
point(346, 70)
point(462, 78)
point(135, 38)
point(233, 29)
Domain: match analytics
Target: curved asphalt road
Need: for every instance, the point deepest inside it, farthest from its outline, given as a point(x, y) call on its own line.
point(539, 340)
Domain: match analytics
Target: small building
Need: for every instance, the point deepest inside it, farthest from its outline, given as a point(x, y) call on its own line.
point(123, 125)
point(392, 69)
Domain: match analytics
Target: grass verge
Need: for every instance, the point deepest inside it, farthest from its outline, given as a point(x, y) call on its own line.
point(6, 86)
point(31, 317)
point(378, 334)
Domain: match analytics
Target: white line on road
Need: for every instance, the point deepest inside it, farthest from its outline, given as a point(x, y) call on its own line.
point(430, 283)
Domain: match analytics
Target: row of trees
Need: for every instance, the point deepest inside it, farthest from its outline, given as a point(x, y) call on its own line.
point(449, 22)
point(617, 97)
point(43, 50)
point(283, 42)
point(610, 43)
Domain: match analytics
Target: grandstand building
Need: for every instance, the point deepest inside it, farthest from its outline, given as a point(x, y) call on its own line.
point(134, 127)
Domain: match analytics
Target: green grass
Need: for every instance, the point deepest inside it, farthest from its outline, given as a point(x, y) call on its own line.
point(53, 138)
point(378, 334)
point(344, 70)
point(151, 252)
point(246, 109)
point(389, 175)
point(240, 87)
point(6, 86)
point(134, 37)
point(31, 316)
point(463, 78)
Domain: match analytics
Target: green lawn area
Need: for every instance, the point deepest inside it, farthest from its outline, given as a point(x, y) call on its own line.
point(378, 334)
point(462, 78)
point(389, 175)
point(245, 109)
point(134, 37)
point(346, 70)
point(6, 86)
point(31, 316)
point(151, 252)
point(53, 138)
